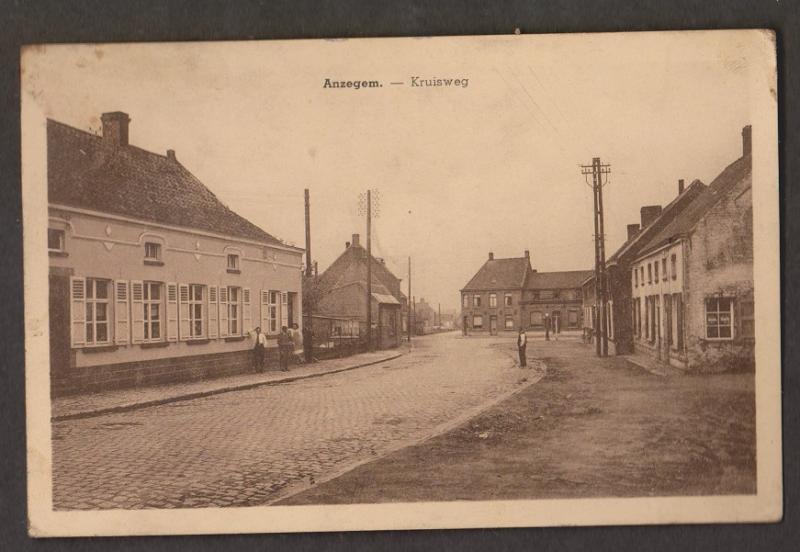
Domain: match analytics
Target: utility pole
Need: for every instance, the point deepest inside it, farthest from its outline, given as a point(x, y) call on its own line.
point(597, 170)
point(440, 315)
point(369, 270)
point(308, 344)
point(408, 306)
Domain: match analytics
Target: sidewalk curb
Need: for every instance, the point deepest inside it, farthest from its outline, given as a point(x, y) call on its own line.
point(207, 393)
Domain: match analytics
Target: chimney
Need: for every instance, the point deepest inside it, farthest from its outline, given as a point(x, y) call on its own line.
point(171, 155)
point(355, 240)
point(649, 213)
point(115, 128)
point(491, 256)
point(747, 140)
point(633, 229)
point(527, 254)
point(680, 186)
point(347, 245)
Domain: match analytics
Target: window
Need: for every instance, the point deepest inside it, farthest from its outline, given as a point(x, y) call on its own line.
point(55, 239)
point(273, 311)
point(674, 263)
point(509, 322)
point(152, 251)
point(151, 302)
point(719, 318)
point(546, 294)
point(492, 299)
point(572, 318)
point(234, 311)
point(465, 301)
point(536, 318)
point(747, 317)
point(649, 273)
point(508, 301)
point(635, 277)
point(477, 321)
point(655, 265)
point(664, 268)
point(677, 300)
point(97, 311)
point(641, 275)
point(233, 262)
point(196, 292)
point(476, 300)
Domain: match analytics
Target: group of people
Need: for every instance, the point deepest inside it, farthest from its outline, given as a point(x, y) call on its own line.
point(289, 342)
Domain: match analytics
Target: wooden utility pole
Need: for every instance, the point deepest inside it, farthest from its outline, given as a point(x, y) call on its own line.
point(408, 306)
point(369, 270)
point(308, 344)
point(597, 170)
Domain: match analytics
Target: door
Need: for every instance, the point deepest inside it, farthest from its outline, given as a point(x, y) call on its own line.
point(668, 336)
point(556, 317)
point(493, 325)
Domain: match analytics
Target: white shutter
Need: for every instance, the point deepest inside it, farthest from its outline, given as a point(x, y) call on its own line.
point(137, 311)
point(213, 309)
point(223, 311)
point(247, 318)
point(284, 309)
point(265, 311)
point(184, 331)
point(77, 308)
point(172, 311)
point(121, 312)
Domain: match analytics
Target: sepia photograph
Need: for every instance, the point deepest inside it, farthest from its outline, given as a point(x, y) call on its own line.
point(401, 283)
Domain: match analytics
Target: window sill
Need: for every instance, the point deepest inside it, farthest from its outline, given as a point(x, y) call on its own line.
point(235, 338)
point(198, 341)
point(153, 262)
point(234, 271)
point(56, 253)
point(99, 348)
point(154, 345)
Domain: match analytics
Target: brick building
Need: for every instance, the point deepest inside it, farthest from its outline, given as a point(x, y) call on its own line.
point(152, 278)
point(506, 294)
point(693, 304)
point(342, 292)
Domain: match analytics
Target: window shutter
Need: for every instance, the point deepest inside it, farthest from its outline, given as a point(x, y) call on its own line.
point(265, 311)
point(247, 318)
point(77, 291)
point(284, 309)
point(121, 312)
point(223, 311)
point(172, 311)
point(213, 309)
point(137, 311)
point(184, 331)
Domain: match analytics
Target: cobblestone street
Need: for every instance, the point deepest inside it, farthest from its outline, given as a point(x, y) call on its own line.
point(253, 447)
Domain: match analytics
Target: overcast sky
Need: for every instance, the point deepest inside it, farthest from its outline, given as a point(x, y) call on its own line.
point(493, 166)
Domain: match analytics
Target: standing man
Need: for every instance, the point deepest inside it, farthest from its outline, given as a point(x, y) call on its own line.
point(259, 349)
point(546, 327)
point(522, 344)
point(285, 348)
point(556, 326)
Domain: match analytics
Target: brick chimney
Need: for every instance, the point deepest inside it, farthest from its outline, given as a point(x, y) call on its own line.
point(649, 213)
point(747, 140)
point(681, 186)
point(633, 229)
point(115, 128)
point(527, 254)
point(356, 239)
point(491, 256)
point(171, 155)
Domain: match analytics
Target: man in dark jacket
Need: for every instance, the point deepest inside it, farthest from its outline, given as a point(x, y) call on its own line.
point(522, 344)
point(285, 348)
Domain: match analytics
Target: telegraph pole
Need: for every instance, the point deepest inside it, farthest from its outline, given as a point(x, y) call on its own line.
point(408, 306)
point(597, 170)
point(308, 347)
point(369, 270)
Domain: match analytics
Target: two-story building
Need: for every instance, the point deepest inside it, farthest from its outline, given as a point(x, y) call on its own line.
point(693, 304)
point(507, 294)
point(152, 278)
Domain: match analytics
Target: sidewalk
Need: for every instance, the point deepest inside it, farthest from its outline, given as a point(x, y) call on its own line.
point(94, 404)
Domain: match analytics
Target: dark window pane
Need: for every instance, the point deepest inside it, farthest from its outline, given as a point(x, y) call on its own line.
point(102, 332)
point(155, 292)
point(102, 314)
point(156, 330)
point(102, 289)
point(725, 331)
point(146, 330)
point(89, 312)
point(89, 333)
point(712, 331)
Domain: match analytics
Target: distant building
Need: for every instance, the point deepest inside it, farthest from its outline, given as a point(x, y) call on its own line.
point(424, 317)
point(152, 278)
point(342, 293)
point(506, 294)
point(693, 304)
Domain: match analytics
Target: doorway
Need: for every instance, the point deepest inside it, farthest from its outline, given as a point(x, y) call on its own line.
point(493, 325)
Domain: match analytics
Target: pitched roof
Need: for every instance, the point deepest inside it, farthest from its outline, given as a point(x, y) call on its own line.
point(688, 218)
point(499, 274)
point(351, 266)
point(557, 280)
point(85, 172)
point(632, 247)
